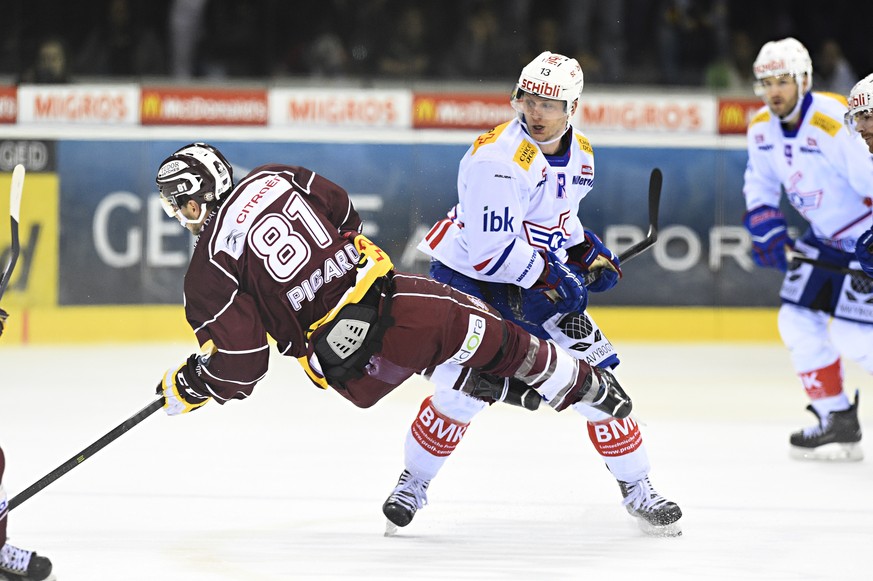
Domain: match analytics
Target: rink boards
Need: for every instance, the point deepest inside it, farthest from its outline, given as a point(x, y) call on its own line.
point(101, 262)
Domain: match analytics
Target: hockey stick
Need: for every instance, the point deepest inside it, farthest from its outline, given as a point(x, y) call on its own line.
point(798, 257)
point(87, 452)
point(655, 181)
point(15, 190)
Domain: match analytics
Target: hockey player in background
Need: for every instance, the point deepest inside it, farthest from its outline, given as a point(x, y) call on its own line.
point(519, 187)
point(860, 118)
point(16, 564)
point(797, 143)
point(281, 253)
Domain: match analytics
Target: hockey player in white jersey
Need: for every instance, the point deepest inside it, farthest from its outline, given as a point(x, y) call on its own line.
point(860, 118)
point(797, 143)
point(515, 239)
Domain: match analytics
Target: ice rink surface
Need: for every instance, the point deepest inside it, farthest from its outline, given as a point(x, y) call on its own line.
point(289, 483)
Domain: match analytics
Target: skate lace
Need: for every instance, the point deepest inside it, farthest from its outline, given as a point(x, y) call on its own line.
point(410, 492)
point(14, 560)
point(817, 430)
point(642, 496)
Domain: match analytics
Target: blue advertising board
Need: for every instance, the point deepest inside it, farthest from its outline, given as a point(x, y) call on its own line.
point(118, 247)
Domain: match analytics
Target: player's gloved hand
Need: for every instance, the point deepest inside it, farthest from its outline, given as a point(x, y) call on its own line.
point(769, 233)
point(3, 317)
point(592, 255)
point(183, 388)
point(570, 294)
point(864, 252)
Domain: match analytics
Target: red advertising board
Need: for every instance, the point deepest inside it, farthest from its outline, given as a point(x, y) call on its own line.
point(734, 115)
point(460, 111)
point(8, 104)
point(203, 106)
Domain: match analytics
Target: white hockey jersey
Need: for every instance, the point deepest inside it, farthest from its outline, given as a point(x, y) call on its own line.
point(513, 204)
point(826, 171)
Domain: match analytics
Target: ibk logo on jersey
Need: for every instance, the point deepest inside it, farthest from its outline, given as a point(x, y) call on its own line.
point(494, 222)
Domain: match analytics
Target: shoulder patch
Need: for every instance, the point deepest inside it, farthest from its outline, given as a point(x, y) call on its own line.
point(761, 117)
point(488, 137)
point(525, 154)
point(827, 124)
point(837, 96)
point(584, 144)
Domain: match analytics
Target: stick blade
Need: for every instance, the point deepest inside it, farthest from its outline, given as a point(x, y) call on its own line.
point(656, 180)
point(15, 191)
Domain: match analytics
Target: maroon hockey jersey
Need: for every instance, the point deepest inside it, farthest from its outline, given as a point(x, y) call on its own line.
point(271, 259)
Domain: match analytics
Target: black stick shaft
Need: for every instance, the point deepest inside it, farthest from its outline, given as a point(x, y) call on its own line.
point(13, 256)
point(655, 181)
point(795, 257)
point(87, 452)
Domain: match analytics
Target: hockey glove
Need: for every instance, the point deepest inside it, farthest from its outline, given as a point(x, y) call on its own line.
point(864, 252)
point(570, 296)
point(183, 388)
point(3, 316)
point(769, 233)
point(593, 256)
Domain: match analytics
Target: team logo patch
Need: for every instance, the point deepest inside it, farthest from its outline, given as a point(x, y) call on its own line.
point(550, 238)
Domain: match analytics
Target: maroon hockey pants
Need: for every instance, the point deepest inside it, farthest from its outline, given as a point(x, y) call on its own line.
point(434, 323)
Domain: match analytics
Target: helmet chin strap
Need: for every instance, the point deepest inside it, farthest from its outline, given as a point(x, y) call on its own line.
point(193, 225)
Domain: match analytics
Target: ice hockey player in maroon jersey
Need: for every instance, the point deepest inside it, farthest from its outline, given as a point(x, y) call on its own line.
point(17, 564)
point(281, 254)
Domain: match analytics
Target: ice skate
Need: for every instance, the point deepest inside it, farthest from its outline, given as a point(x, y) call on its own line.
point(656, 515)
point(837, 437)
point(21, 565)
point(408, 496)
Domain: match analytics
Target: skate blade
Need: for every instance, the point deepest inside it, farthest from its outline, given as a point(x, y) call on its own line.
point(670, 530)
point(835, 452)
point(390, 528)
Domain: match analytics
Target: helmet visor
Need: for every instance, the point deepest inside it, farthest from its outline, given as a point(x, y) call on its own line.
point(855, 116)
point(775, 82)
point(533, 106)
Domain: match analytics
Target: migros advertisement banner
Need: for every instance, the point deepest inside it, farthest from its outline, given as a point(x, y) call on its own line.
point(372, 108)
point(692, 114)
point(79, 104)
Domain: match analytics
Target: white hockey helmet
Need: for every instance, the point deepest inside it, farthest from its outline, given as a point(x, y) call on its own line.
point(550, 76)
point(783, 57)
point(860, 101)
point(197, 171)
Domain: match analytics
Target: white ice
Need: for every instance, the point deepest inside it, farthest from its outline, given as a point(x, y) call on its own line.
point(289, 483)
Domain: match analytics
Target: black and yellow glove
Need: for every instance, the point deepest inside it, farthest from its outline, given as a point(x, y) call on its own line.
point(183, 388)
